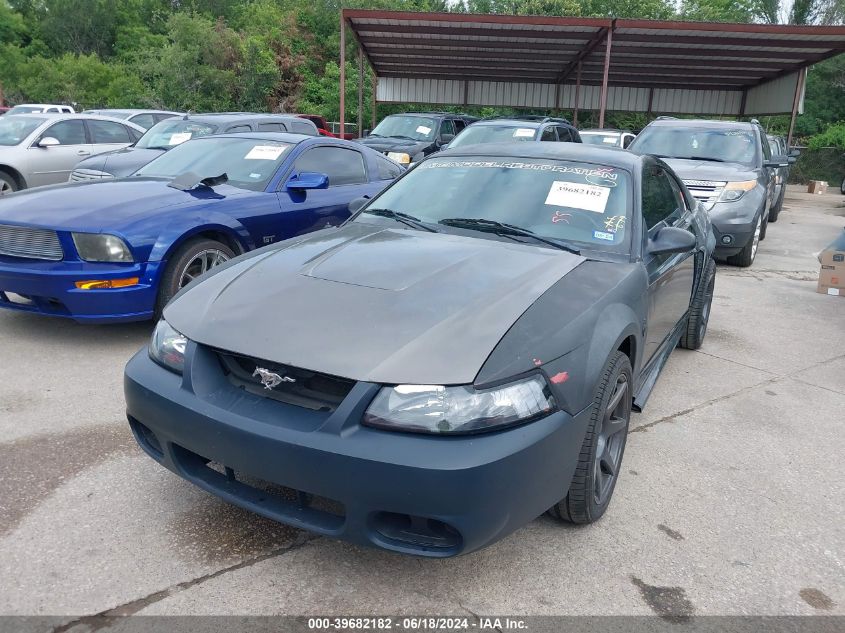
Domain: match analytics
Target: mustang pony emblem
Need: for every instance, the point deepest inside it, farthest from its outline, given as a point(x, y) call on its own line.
point(270, 379)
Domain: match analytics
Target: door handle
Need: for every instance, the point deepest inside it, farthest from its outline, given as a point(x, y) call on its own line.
point(83, 152)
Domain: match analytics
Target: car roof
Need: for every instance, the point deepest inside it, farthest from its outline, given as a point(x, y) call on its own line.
point(509, 123)
point(129, 111)
point(578, 152)
point(709, 123)
point(233, 117)
point(604, 130)
point(285, 137)
point(63, 116)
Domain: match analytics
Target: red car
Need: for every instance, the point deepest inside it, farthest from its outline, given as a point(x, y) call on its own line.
point(4, 110)
point(323, 126)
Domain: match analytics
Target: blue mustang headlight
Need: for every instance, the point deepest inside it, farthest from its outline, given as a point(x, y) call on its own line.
point(101, 247)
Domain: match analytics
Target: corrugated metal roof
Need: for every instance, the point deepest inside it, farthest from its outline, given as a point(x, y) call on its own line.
point(523, 50)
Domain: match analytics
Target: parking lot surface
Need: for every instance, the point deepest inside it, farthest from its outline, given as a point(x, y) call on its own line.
point(731, 501)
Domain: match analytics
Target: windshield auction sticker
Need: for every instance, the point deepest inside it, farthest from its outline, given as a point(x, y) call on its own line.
point(180, 137)
point(421, 129)
point(265, 152)
point(523, 132)
point(578, 196)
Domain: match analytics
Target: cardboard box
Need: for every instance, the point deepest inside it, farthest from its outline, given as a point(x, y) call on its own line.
point(817, 186)
point(832, 273)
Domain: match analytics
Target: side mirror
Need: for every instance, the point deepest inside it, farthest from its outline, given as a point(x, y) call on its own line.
point(792, 159)
point(445, 139)
point(48, 141)
point(794, 153)
point(444, 146)
point(357, 204)
point(307, 180)
point(671, 239)
point(777, 161)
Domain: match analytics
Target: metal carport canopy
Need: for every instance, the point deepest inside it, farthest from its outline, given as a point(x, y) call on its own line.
point(589, 63)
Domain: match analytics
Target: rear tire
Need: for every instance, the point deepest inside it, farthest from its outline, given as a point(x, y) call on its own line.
point(191, 260)
point(746, 256)
point(7, 184)
point(601, 454)
point(775, 212)
point(699, 309)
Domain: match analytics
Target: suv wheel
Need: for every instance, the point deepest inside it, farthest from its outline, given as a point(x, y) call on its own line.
point(775, 210)
point(699, 309)
point(745, 257)
point(604, 444)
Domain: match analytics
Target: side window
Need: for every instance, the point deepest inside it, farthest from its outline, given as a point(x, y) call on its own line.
point(134, 134)
point(549, 134)
point(304, 128)
point(67, 132)
point(447, 127)
point(661, 199)
point(564, 135)
point(145, 120)
point(162, 117)
point(459, 125)
point(387, 170)
point(107, 132)
point(238, 128)
point(271, 127)
point(767, 151)
point(343, 166)
point(626, 140)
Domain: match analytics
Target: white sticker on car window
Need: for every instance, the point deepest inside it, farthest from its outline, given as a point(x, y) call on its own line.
point(265, 152)
point(179, 138)
point(578, 196)
point(609, 139)
point(523, 132)
point(422, 129)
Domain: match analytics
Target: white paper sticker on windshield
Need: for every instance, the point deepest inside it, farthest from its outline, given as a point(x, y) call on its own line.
point(265, 152)
point(578, 196)
point(421, 129)
point(523, 132)
point(179, 138)
point(609, 139)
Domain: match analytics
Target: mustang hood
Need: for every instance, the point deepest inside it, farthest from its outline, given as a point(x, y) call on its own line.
point(373, 304)
point(97, 205)
point(710, 170)
point(391, 144)
point(121, 163)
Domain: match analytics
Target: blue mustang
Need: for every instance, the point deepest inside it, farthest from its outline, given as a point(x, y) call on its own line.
point(118, 250)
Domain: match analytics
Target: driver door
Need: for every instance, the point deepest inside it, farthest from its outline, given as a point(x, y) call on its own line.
point(670, 276)
point(50, 165)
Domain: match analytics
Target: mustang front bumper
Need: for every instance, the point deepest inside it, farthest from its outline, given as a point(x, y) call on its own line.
point(325, 472)
point(48, 287)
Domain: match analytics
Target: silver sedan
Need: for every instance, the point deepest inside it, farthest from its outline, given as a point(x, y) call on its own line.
point(42, 149)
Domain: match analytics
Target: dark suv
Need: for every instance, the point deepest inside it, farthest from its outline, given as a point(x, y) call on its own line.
point(408, 138)
point(729, 167)
point(519, 128)
point(173, 131)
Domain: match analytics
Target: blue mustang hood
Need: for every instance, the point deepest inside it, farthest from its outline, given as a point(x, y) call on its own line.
point(111, 204)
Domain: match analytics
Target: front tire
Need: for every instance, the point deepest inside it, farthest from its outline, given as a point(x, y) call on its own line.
point(746, 256)
point(7, 184)
point(601, 454)
point(699, 309)
point(191, 260)
point(775, 212)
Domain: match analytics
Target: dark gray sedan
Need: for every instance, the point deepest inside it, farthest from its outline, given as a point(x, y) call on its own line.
point(459, 357)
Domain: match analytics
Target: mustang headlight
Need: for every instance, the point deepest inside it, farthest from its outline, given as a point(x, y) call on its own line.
point(400, 157)
point(167, 347)
point(461, 409)
point(735, 190)
point(101, 247)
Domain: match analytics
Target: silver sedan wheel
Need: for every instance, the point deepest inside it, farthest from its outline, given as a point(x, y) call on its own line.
point(200, 264)
point(5, 187)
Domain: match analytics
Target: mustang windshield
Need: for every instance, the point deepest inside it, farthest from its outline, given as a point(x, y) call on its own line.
point(584, 204)
point(698, 143)
point(167, 133)
point(249, 163)
point(477, 134)
point(413, 127)
point(14, 129)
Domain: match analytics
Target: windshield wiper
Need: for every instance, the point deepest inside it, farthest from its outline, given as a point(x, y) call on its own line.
point(404, 218)
point(502, 228)
point(715, 160)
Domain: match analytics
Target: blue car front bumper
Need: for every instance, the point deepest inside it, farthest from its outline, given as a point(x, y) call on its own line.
point(48, 287)
point(326, 473)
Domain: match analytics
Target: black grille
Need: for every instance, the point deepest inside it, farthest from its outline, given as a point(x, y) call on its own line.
point(299, 387)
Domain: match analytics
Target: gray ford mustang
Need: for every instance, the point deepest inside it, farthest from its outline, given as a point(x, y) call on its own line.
point(459, 357)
